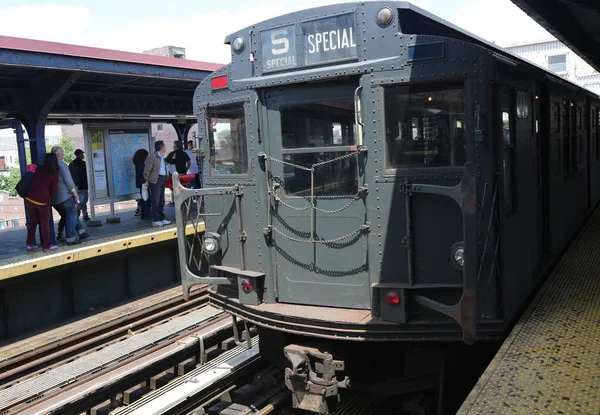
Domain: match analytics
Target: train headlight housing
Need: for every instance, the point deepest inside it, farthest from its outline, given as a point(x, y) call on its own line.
point(385, 16)
point(211, 243)
point(458, 256)
point(238, 44)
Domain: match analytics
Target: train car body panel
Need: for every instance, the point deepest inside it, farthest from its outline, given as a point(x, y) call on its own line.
point(376, 174)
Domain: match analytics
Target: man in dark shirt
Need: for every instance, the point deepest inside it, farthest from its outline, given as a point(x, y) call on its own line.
point(79, 175)
point(179, 158)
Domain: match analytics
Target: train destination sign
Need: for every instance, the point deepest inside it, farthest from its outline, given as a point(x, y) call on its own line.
point(330, 39)
point(324, 40)
point(278, 49)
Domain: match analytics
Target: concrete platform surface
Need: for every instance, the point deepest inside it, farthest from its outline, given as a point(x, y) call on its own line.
point(12, 241)
point(131, 232)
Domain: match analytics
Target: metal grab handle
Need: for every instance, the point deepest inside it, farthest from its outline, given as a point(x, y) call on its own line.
point(358, 117)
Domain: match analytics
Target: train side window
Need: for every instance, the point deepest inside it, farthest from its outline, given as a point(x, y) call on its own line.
point(508, 156)
point(556, 117)
point(574, 138)
point(227, 140)
point(566, 137)
point(597, 138)
point(316, 133)
point(425, 126)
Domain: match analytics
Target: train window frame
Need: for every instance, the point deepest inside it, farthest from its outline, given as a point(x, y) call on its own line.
point(334, 151)
point(213, 174)
point(460, 120)
point(597, 138)
point(566, 138)
point(574, 139)
point(507, 105)
point(556, 113)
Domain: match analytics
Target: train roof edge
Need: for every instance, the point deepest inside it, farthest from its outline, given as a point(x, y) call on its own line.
point(454, 32)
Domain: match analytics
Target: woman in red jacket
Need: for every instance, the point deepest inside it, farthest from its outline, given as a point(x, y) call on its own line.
point(43, 187)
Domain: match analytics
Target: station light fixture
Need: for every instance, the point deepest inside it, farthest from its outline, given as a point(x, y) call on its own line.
point(385, 16)
point(238, 44)
point(392, 298)
point(211, 243)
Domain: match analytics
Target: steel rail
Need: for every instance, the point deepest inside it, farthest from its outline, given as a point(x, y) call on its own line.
point(36, 354)
point(24, 371)
point(113, 378)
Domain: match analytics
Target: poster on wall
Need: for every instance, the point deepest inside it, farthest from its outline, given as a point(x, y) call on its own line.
point(100, 184)
point(100, 180)
point(98, 160)
point(123, 144)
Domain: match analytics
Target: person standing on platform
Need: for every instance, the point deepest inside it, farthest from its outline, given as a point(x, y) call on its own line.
point(194, 166)
point(64, 200)
point(43, 187)
point(79, 174)
point(139, 161)
point(179, 158)
point(155, 172)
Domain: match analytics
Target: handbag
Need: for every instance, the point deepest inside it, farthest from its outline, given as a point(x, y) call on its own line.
point(24, 184)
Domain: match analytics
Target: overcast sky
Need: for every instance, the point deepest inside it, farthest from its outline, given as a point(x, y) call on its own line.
point(200, 26)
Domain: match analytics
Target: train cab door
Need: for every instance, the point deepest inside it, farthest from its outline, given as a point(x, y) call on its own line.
point(315, 174)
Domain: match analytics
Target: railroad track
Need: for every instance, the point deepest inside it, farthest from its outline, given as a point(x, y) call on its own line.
point(19, 367)
point(123, 369)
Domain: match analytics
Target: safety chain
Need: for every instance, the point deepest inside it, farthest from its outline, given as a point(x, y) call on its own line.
point(313, 166)
point(362, 228)
point(311, 169)
point(353, 199)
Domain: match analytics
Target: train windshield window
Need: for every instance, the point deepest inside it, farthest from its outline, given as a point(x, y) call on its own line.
point(227, 140)
point(425, 127)
point(313, 134)
point(318, 124)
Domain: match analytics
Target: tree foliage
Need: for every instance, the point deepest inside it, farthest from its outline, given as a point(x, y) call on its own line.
point(66, 143)
point(9, 179)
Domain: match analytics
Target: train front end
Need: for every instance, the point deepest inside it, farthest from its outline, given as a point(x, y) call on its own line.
point(341, 189)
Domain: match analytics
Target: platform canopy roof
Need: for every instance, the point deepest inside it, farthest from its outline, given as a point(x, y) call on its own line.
point(576, 23)
point(75, 83)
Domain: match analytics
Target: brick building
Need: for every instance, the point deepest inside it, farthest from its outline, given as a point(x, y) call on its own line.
point(12, 211)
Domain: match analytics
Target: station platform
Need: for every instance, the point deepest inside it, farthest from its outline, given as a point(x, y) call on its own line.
point(130, 232)
point(550, 362)
point(117, 263)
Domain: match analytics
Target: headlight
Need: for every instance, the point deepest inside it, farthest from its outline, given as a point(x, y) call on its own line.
point(211, 243)
point(385, 16)
point(238, 44)
point(458, 256)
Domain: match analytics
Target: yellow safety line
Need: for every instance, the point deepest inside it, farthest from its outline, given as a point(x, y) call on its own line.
point(59, 258)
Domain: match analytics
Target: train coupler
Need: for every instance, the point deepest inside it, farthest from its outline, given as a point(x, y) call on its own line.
point(312, 379)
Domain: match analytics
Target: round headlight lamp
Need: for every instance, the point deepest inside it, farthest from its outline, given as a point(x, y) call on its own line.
point(211, 243)
point(458, 256)
point(238, 44)
point(385, 16)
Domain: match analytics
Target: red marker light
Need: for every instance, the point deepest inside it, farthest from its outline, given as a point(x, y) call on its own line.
point(246, 286)
point(219, 82)
point(392, 298)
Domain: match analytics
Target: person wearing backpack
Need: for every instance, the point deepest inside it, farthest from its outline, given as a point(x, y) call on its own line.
point(39, 195)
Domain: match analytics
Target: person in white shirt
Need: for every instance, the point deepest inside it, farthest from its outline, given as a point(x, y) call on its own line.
point(194, 169)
